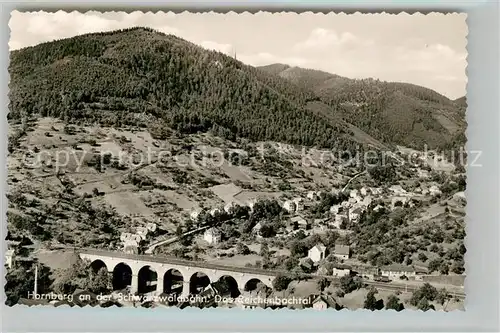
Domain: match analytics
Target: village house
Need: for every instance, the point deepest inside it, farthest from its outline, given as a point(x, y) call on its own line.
point(215, 211)
point(395, 271)
point(317, 252)
point(251, 203)
point(256, 229)
point(335, 209)
point(212, 236)
point(228, 207)
point(126, 236)
point(306, 263)
point(376, 190)
point(131, 247)
point(355, 214)
point(311, 195)
point(339, 219)
point(289, 206)
point(151, 227)
point(142, 232)
point(398, 190)
point(323, 302)
point(299, 204)
point(300, 222)
point(423, 173)
point(195, 214)
point(291, 226)
point(434, 191)
point(399, 202)
point(367, 201)
point(460, 198)
point(342, 252)
point(9, 257)
point(324, 270)
point(319, 228)
point(363, 191)
point(341, 270)
point(346, 204)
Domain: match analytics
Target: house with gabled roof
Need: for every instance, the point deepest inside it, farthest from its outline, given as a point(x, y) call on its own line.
point(317, 252)
point(323, 302)
point(342, 251)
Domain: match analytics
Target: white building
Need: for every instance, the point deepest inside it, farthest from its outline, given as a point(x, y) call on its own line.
point(9, 258)
point(299, 204)
point(289, 206)
point(434, 191)
point(215, 211)
point(398, 190)
point(125, 236)
point(311, 195)
point(251, 203)
point(323, 302)
point(402, 200)
point(195, 213)
point(317, 252)
point(395, 271)
point(229, 207)
point(363, 191)
point(342, 252)
point(341, 271)
point(300, 222)
point(142, 232)
point(335, 209)
point(367, 201)
point(151, 227)
point(212, 236)
point(131, 247)
point(256, 228)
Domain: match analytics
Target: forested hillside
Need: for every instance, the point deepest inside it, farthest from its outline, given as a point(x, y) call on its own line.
point(139, 76)
point(392, 112)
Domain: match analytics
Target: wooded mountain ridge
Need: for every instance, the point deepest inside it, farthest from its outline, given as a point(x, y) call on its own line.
point(138, 76)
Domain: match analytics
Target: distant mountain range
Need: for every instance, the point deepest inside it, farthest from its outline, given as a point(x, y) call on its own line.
point(142, 77)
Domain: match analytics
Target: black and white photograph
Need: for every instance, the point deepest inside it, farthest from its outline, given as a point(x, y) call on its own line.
point(237, 160)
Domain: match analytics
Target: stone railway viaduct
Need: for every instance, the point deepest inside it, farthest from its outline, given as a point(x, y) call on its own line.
point(147, 273)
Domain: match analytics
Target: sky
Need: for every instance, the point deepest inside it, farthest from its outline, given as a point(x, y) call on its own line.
point(428, 50)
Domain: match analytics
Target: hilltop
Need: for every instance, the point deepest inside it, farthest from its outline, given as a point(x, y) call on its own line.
point(393, 112)
point(142, 77)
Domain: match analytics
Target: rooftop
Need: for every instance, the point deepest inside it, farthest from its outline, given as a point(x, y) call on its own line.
point(329, 300)
point(397, 268)
point(342, 249)
point(320, 247)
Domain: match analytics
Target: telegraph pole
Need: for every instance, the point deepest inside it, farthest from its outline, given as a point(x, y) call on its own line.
point(35, 291)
